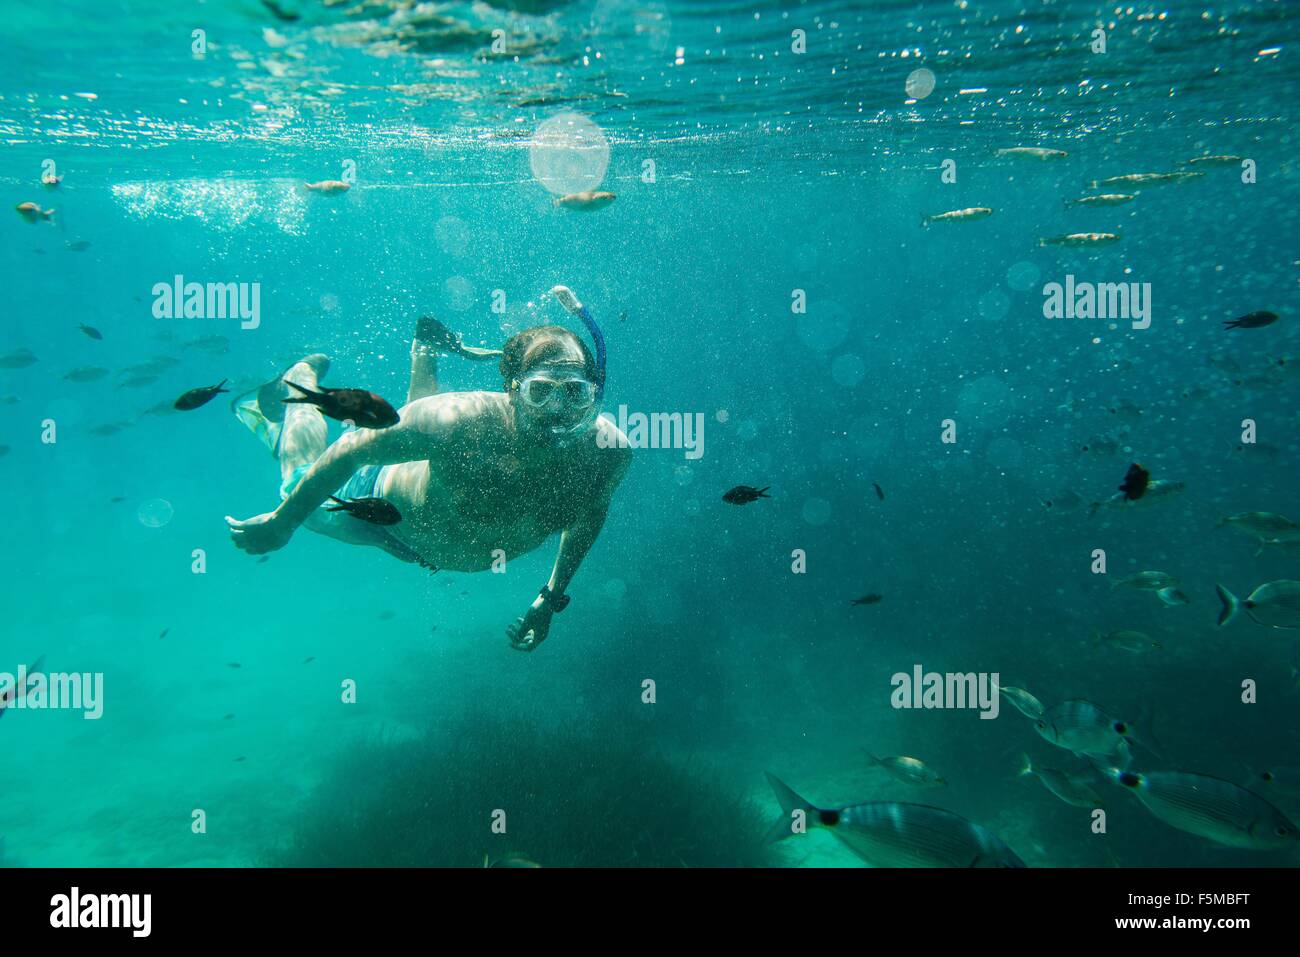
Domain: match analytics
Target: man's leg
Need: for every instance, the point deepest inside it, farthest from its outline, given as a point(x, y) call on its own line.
point(432, 337)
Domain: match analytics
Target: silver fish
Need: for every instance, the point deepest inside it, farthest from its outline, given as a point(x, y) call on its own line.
point(1211, 808)
point(1222, 160)
point(1268, 526)
point(1023, 702)
point(86, 374)
point(18, 359)
point(957, 215)
point(1081, 239)
point(891, 834)
point(586, 201)
point(1146, 581)
point(1077, 791)
point(1273, 604)
point(1127, 640)
point(1082, 727)
point(1033, 152)
point(1105, 199)
point(1173, 597)
point(1140, 180)
point(912, 771)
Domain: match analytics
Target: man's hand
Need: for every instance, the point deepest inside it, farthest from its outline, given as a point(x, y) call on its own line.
point(531, 630)
point(260, 534)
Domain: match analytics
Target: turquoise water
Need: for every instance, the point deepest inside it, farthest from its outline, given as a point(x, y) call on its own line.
point(773, 172)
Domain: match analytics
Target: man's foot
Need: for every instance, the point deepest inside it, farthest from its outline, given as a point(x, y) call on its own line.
point(432, 334)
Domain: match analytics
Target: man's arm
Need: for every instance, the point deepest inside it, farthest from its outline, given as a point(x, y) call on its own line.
point(404, 442)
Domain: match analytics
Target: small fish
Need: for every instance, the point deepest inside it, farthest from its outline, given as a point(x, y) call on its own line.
point(912, 771)
point(1173, 597)
point(1274, 604)
point(264, 559)
point(957, 215)
point(218, 345)
point(4, 450)
point(240, 760)
point(32, 213)
point(9, 400)
point(1081, 239)
point(137, 381)
point(893, 834)
point(1254, 320)
point(233, 664)
point(195, 398)
point(1209, 807)
point(1023, 702)
point(1146, 581)
point(329, 187)
point(1222, 160)
point(1126, 411)
point(163, 634)
point(387, 615)
point(279, 12)
point(309, 659)
point(366, 409)
point(1136, 481)
point(1140, 180)
point(744, 494)
point(18, 359)
point(12, 692)
point(50, 181)
point(117, 498)
point(373, 510)
point(880, 492)
point(1127, 640)
point(86, 374)
point(509, 860)
point(1033, 152)
point(79, 245)
point(1075, 791)
point(108, 428)
point(1065, 500)
point(1105, 199)
point(165, 407)
point(91, 331)
point(587, 201)
point(867, 599)
point(228, 717)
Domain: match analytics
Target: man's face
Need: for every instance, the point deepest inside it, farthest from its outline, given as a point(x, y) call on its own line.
point(554, 401)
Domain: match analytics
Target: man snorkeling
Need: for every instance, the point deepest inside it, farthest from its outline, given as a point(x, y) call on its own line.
point(474, 476)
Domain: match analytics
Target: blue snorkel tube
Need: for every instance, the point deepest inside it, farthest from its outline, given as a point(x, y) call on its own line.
point(570, 302)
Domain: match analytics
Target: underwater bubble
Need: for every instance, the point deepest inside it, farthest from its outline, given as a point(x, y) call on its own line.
point(155, 513)
point(1023, 276)
point(746, 431)
point(452, 235)
point(816, 511)
point(994, 304)
point(823, 327)
point(848, 370)
point(460, 293)
point(329, 302)
point(920, 84)
point(683, 475)
point(569, 154)
point(722, 416)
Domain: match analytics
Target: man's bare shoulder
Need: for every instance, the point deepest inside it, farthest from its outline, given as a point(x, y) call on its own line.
point(455, 412)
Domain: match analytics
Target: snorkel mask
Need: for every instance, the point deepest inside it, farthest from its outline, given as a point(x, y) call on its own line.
point(554, 388)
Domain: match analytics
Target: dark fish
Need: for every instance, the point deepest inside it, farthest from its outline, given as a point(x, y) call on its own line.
point(4, 450)
point(18, 359)
point(1255, 320)
point(233, 664)
point(228, 717)
point(8, 400)
point(880, 492)
point(79, 245)
point(387, 615)
point(91, 331)
point(108, 428)
point(867, 599)
point(197, 397)
point(117, 498)
point(1135, 484)
point(279, 12)
point(309, 659)
point(86, 374)
point(373, 510)
point(164, 633)
point(213, 344)
point(264, 558)
point(137, 381)
point(13, 692)
point(240, 759)
point(744, 494)
point(366, 409)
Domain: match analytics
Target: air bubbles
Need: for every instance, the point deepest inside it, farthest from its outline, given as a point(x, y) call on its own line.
point(155, 513)
point(683, 475)
point(460, 293)
point(1023, 276)
point(569, 154)
point(452, 235)
point(329, 302)
point(816, 511)
point(920, 84)
point(848, 370)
